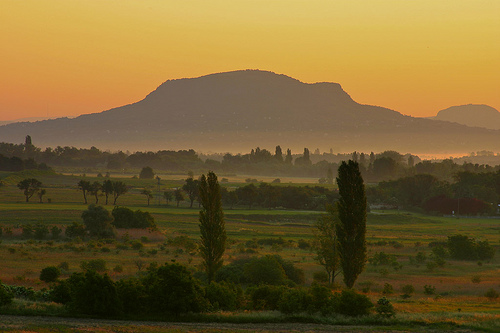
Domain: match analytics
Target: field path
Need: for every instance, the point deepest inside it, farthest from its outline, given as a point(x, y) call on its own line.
point(57, 324)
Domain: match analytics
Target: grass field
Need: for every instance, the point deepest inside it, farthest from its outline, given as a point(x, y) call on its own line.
point(405, 234)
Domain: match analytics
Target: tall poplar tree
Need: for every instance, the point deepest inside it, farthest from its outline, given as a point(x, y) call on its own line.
point(212, 226)
point(351, 229)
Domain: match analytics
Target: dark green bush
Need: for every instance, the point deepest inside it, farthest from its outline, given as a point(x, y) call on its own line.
point(388, 289)
point(98, 265)
point(75, 230)
point(50, 274)
point(407, 290)
point(353, 304)
point(322, 300)
point(265, 270)
point(224, 296)
point(93, 294)
point(492, 294)
point(172, 289)
point(295, 300)
point(265, 297)
point(429, 290)
point(464, 248)
point(5, 296)
point(384, 308)
point(124, 217)
point(132, 295)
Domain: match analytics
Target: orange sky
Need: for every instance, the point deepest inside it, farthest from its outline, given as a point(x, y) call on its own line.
point(65, 58)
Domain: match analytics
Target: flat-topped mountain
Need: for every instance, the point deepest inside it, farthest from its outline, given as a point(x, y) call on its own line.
point(477, 115)
point(237, 111)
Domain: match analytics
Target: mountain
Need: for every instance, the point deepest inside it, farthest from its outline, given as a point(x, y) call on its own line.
point(477, 115)
point(20, 120)
point(240, 110)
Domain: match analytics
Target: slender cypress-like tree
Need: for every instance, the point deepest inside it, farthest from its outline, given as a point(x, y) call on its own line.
point(351, 229)
point(212, 226)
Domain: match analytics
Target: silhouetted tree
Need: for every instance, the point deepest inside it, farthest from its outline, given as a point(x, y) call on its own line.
point(41, 193)
point(278, 155)
point(351, 229)
point(288, 157)
point(147, 173)
point(191, 187)
point(29, 186)
point(326, 243)
point(94, 190)
point(119, 188)
point(84, 185)
point(97, 221)
point(168, 196)
point(148, 194)
point(179, 196)
point(107, 189)
point(212, 226)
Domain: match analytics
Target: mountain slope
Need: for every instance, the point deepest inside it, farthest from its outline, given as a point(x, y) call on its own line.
point(477, 115)
point(237, 111)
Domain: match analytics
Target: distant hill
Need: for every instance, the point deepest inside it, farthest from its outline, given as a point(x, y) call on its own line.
point(477, 115)
point(237, 111)
point(21, 120)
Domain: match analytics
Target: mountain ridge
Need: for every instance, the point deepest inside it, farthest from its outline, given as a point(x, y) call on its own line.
point(239, 110)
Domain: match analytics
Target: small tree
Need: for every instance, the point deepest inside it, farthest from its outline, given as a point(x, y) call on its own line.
point(168, 196)
point(50, 274)
point(84, 186)
point(41, 192)
point(351, 229)
point(94, 190)
point(107, 189)
point(178, 196)
point(192, 189)
point(212, 226)
point(146, 173)
point(326, 243)
point(119, 188)
point(148, 193)
point(29, 186)
point(97, 221)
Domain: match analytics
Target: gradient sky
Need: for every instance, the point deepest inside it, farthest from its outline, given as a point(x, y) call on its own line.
point(68, 57)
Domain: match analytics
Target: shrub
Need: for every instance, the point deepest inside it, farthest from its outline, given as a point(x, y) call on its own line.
point(388, 289)
point(137, 245)
point(64, 266)
point(464, 248)
point(75, 230)
point(27, 231)
point(265, 297)
point(353, 304)
point(5, 296)
point(322, 300)
point(407, 290)
point(303, 244)
point(384, 308)
point(172, 289)
point(492, 294)
point(40, 231)
point(147, 173)
point(55, 232)
point(97, 221)
point(50, 274)
point(381, 258)
point(118, 269)
point(93, 294)
point(295, 300)
point(224, 296)
point(265, 270)
point(476, 279)
point(98, 265)
point(132, 295)
point(429, 290)
point(124, 217)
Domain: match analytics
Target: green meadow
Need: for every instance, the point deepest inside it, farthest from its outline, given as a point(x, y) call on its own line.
point(459, 286)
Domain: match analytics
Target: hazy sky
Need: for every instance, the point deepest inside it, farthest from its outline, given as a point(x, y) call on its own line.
point(68, 57)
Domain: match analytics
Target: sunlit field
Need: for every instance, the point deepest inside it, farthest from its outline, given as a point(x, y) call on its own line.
point(458, 287)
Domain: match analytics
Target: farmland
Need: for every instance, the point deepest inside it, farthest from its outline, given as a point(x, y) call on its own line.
point(458, 287)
